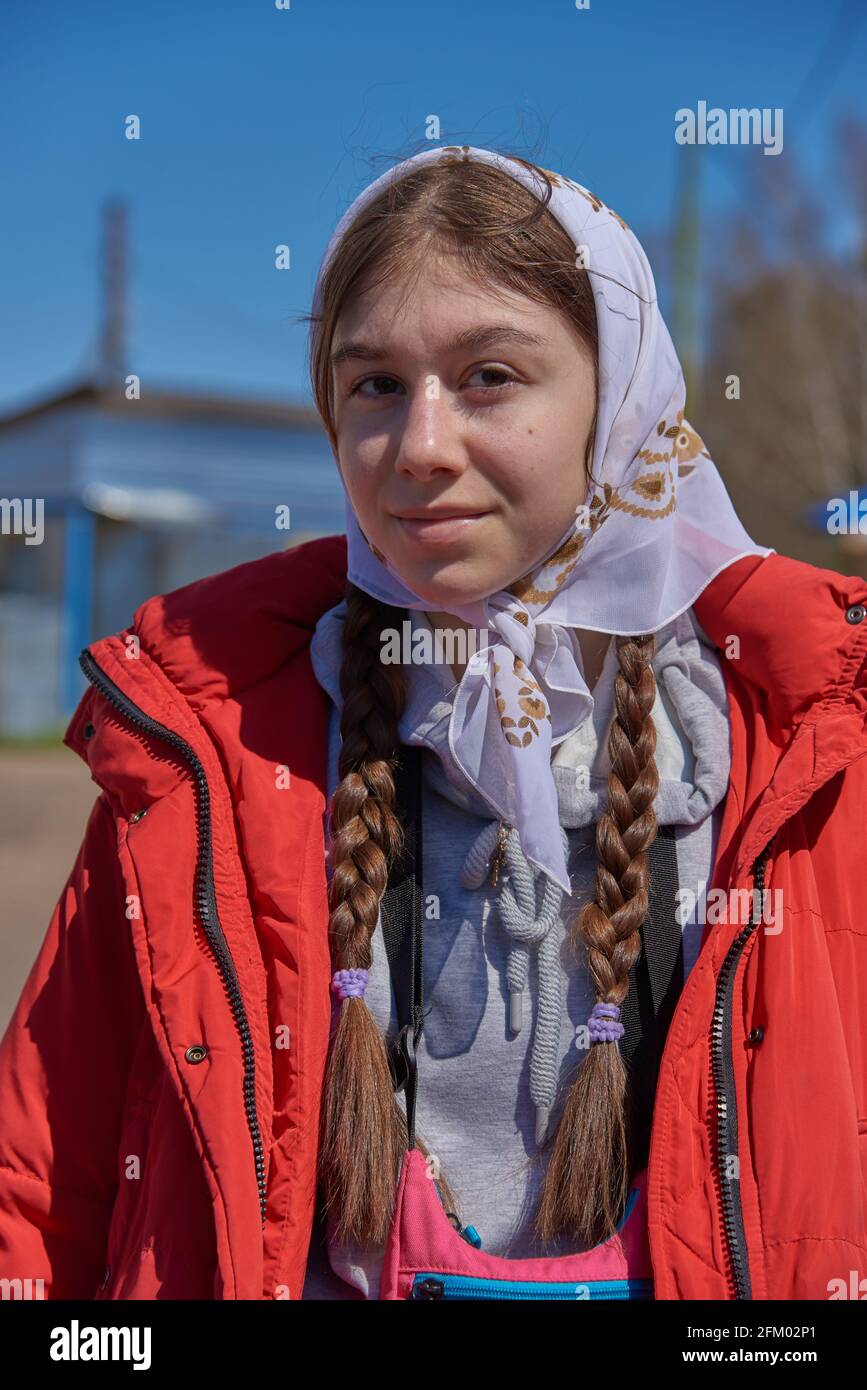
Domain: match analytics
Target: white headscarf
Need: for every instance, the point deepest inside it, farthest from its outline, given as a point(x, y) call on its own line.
point(659, 527)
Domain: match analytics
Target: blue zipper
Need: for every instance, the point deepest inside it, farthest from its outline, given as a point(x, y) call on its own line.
point(430, 1286)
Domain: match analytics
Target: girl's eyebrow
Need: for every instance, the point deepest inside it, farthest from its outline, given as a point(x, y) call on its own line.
point(471, 339)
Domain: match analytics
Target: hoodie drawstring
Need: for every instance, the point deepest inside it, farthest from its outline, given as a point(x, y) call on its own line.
point(529, 923)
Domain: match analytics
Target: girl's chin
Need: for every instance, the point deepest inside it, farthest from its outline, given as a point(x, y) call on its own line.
point(443, 593)
point(443, 575)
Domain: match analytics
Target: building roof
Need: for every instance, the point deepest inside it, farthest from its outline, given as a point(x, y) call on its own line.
point(170, 405)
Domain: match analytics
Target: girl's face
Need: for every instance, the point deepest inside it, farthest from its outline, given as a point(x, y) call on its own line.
point(465, 404)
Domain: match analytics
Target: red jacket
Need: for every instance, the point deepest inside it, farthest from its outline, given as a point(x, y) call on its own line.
point(162, 1073)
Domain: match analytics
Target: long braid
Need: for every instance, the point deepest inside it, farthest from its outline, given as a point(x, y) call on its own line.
point(364, 1132)
point(586, 1183)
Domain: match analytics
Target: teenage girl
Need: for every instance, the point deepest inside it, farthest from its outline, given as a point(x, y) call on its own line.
point(593, 657)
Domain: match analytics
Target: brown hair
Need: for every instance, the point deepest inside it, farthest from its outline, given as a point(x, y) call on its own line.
point(502, 235)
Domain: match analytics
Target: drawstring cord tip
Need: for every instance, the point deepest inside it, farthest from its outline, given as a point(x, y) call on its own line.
point(516, 1010)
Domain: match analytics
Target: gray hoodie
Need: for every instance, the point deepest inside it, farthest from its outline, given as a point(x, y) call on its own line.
point(485, 1092)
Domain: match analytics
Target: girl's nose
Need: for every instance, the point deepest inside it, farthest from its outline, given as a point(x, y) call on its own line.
point(431, 440)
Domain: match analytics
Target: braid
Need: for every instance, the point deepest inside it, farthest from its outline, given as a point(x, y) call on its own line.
point(586, 1183)
point(363, 1130)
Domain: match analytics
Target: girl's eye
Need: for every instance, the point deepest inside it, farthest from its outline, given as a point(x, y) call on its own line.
point(506, 378)
point(370, 380)
point(504, 381)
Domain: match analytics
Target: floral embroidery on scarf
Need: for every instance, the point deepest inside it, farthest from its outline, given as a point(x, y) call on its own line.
point(533, 708)
point(687, 443)
point(570, 553)
point(654, 487)
point(561, 181)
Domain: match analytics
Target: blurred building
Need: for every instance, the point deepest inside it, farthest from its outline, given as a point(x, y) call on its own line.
point(139, 497)
point(139, 491)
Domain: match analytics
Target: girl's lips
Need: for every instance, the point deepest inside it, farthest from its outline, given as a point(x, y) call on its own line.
point(436, 531)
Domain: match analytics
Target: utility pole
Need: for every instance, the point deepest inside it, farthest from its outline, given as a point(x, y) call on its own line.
point(685, 296)
point(112, 346)
point(80, 523)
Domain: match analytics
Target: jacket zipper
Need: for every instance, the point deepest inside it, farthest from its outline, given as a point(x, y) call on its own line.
point(435, 1286)
point(722, 1051)
point(204, 895)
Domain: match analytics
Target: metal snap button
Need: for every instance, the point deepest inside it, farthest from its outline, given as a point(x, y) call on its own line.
point(137, 815)
point(755, 1035)
point(196, 1053)
point(89, 730)
point(856, 614)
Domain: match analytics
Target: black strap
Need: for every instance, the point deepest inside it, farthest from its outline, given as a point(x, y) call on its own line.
point(401, 915)
point(655, 980)
point(655, 983)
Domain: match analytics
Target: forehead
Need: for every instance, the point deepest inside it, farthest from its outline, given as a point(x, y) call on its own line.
point(427, 275)
point(441, 303)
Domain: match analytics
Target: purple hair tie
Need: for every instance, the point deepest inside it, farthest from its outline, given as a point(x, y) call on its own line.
point(349, 984)
point(604, 1023)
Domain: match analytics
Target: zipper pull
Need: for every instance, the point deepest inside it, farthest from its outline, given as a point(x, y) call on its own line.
point(467, 1233)
point(429, 1288)
point(496, 859)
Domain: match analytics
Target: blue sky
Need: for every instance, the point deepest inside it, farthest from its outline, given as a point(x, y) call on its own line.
point(259, 125)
